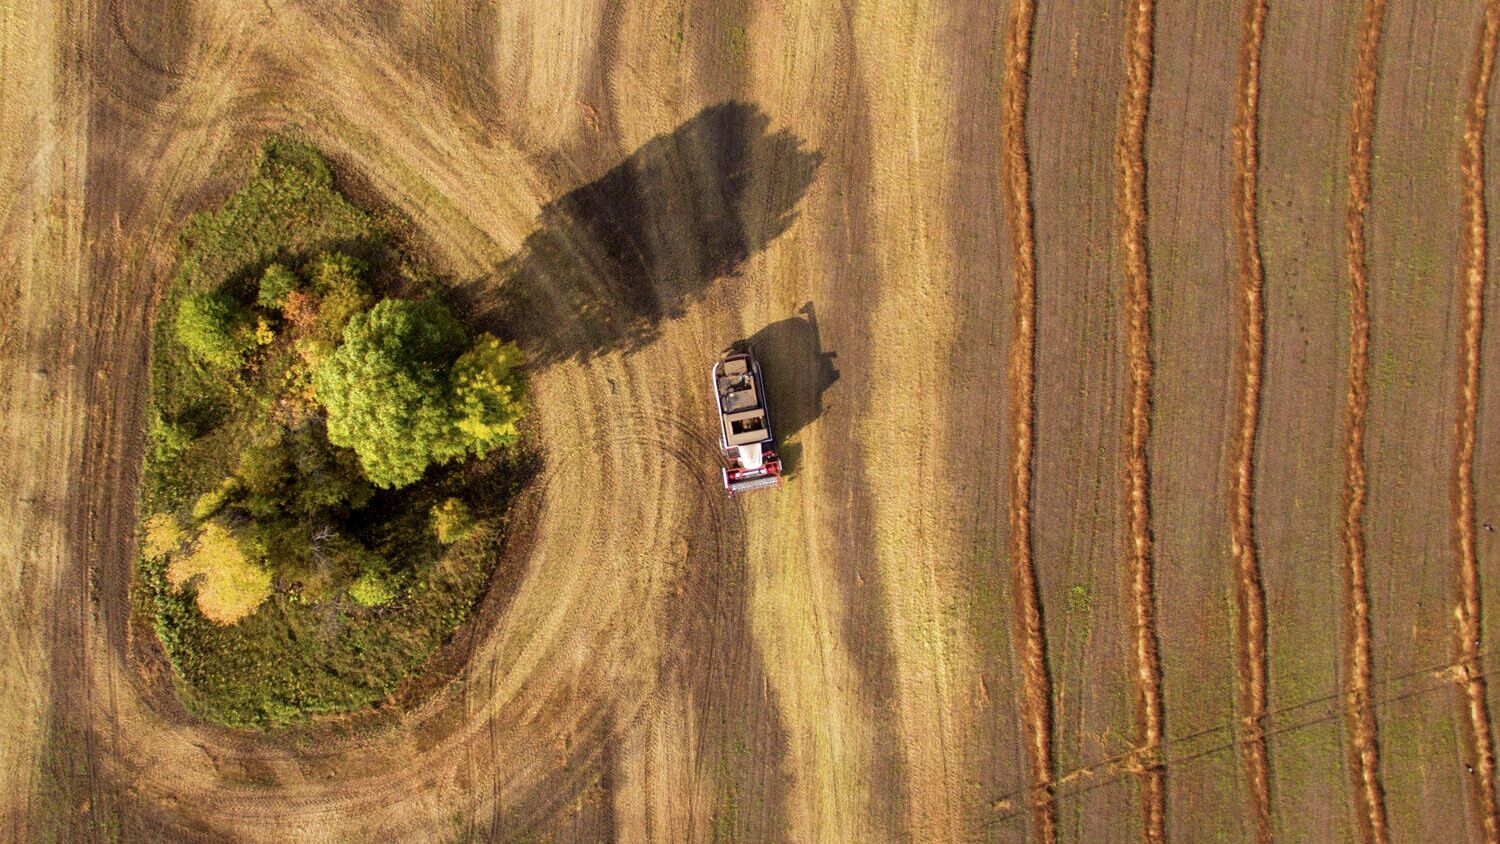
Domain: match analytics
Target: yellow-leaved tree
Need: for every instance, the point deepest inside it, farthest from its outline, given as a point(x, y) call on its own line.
point(488, 393)
point(232, 584)
point(163, 536)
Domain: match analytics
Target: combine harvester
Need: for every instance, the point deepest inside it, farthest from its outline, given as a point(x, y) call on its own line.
point(745, 425)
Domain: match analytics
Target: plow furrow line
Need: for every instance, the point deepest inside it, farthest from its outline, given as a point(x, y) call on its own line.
point(1250, 599)
point(1026, 612)
point(1130, 197)
point(1472, 687)
point(1359, 713)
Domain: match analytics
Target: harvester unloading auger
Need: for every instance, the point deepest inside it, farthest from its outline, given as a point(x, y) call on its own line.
point(745, 425)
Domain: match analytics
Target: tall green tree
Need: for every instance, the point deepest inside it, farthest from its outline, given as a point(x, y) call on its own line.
point(386, 389)
point(405, 390)
point(338, 281)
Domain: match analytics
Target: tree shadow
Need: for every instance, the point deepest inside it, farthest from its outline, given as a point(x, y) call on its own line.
point(613, 258)
point(797, 372)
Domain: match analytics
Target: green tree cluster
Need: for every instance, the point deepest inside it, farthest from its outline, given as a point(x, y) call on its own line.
point(487, 393)
point(297, 473)
point(214, 329)
point(256, 514)
point(372, 589)
point(168, 439)
point(275, 283)
point(406, 390)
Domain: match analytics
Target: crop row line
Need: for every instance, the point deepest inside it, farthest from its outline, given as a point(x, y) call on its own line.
point(1026, 607)
point(1360, 714)
point(1472, 690)
point(1130, 198)
point(1250, 599)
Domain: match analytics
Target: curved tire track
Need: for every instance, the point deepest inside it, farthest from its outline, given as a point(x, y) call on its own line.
point(202, 772)
point(1250, 597)
point(1130, 197)
point(1467, 612)
point(1026, 610)
point(1359, 710)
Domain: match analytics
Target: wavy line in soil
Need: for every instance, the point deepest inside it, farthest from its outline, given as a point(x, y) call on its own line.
point(1130, 196)
point(1467, 612)
point(1363, 747)
point(1026, 611)
point(1250, 598)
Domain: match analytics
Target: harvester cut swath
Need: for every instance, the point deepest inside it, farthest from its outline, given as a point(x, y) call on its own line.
point(744, 425)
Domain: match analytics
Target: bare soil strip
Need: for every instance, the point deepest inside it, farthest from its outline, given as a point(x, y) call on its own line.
point(1365, 760)
point(1472, 692)
point(1250, 597)
point(1130, 195)
point(1026, 610)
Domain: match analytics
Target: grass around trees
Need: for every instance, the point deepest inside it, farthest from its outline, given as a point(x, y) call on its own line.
point(330, 455)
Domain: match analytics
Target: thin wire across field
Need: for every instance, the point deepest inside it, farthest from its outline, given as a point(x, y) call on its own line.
point(1181, 750)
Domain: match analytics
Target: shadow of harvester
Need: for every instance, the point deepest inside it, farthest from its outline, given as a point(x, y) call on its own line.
point(614, 257)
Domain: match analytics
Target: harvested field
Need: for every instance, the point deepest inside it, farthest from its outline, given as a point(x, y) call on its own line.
point(1104, 521)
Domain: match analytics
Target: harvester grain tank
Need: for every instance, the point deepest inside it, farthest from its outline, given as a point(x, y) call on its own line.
point(745, 425)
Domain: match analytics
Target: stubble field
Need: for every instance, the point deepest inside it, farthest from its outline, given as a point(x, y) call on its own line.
point(1103, 523)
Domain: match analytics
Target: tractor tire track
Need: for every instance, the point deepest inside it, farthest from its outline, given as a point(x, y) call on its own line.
point(1130, 196)
point(1359, 711)
point(1029, 638)
point(1250, 596)
point(1467, 612)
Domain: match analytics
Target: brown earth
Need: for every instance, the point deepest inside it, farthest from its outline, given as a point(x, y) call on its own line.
point(629, 189)
point(1416, 291)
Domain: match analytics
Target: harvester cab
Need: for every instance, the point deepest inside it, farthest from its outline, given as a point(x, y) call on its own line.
point(745, 425)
